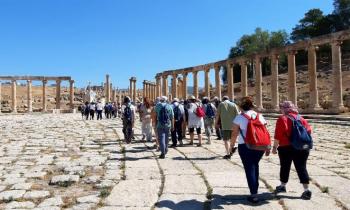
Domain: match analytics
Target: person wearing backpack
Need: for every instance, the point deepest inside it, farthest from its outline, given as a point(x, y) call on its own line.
point(195, 119)
point(128, 118)
point(179, 118)
point(218, 128)
point(253, 141)
point(99, 108)
point(226, 113)
point(165, 124)
point(210, 113)
point(92, 109)
point(293, 143)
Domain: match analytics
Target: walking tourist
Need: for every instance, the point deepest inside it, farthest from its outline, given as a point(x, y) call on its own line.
point(92, 108)
point(146, 119)
point(99, 109)
point(253, 141)
point(87, 110)
point(195, 119)
point(128, 118)
point(165, 124)
point(210, 113)
point(293, 143)
point(179, 120)
point(217, 102)
point(226, 113)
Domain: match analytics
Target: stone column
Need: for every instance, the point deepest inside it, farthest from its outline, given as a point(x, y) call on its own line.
point(144, 89)
point(71, 93)
point(29, 96)
point(14, 96)
point(206, 80)
point(158, 86)
point(195, 84)
point(153, 92)
point(44, 96)
point(337, 103)
point(292, 81)
point(184, 83)
point(174, 86)
point(244, 78)
point(274, 82)
point(58, 94)
point(312, 67)
point(165, 85)
point(258, 83)
point(218, 82)
point(230, 81)
point(108, 91)
point(134, 90)
point(131, 89)
point(0, 98)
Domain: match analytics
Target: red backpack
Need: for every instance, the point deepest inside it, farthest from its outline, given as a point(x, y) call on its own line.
point(257, 136)
point(200, 111)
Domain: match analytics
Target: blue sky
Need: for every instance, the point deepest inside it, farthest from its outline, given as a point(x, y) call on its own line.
point(86, 39)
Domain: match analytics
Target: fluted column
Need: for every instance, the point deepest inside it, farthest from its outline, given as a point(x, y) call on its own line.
point(158, 86)
point(131, 87)
point(58, 94)
point(174, 86)
point(244, 78)
point(258, 83)
point(184, 85)
point(44, 96)
point(29, 96)
point(71, 93)
point(153, 91)
point(134, 90)
point(195, 84)
point(274, 82)
point(230, 81)
point(144, 89)
point(338, 104)
point(14, 96)
point(108, 91)
point(165, 85)
point(218, 82)
point(292, 81)
point(206, 81)
point(149, 90)
point(0, 98)
point(312, 67)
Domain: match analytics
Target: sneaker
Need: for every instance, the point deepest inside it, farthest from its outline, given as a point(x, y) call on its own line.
point(181, 143)
point(253, 199)
point(208, 142)
point(227, 157)
point(172, 146)
point(280, 189)
point(233, 150)
point(191, 143)
point(306, 195)
point(162, 156)
point(219, 138)
point(199, 145)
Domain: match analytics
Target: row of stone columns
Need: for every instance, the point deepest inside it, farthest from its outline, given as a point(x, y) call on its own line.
point(30, 95)
point(149, 90)
point(132, 89)
point(162, 87)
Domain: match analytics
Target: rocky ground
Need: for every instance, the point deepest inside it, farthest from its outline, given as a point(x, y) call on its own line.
point(62, 162)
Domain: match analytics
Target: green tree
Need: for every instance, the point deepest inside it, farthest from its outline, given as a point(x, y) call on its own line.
point(341, 15)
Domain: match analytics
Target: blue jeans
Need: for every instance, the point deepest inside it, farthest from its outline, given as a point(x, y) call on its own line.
point(250, 159)
point(163, 137)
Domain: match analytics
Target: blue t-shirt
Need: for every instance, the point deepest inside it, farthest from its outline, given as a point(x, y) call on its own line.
point(170, 112)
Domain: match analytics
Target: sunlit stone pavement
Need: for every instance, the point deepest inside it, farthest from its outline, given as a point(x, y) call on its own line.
point(63, 162)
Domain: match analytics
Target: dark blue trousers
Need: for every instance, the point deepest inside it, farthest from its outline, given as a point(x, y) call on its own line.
point(250, 159)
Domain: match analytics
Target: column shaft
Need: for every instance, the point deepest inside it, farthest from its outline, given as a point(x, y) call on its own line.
point(134, 91)
point(71, 93)
point(292, 83)
point(58, 94)
point(29, 96)
point(218, 82)
point(165, 85)
point(230, 83)
point(274, 82)
point(0, 98)
point(174, 86)
point(312, 67)
point(108, 91)
point(195, 84)
point(258, 83)
point(244, 79)
point(206, 80)
point(338, 104)
point(184, 87)
point(14, 96)
point(44, 96)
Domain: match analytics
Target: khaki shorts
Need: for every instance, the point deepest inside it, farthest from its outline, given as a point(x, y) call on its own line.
point(226, 135)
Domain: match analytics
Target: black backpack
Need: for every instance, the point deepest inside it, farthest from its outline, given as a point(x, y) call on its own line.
point(127, 114)
point(210, 111)
point(177, 114)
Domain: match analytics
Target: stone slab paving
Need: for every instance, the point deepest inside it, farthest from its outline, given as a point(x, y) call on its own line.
point(62, 162)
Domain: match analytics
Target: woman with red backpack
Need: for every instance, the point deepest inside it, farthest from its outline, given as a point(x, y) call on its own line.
point(253, 141)
point(293, 143)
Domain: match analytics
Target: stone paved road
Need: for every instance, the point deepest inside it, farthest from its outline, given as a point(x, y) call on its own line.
point(62, 162)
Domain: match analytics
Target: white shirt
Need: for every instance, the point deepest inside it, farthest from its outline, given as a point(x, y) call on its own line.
point(242, 122)
point(99, 106)
point(193, 120)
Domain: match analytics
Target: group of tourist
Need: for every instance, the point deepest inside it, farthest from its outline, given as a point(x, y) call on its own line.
point(88, 110)
point(233, 124)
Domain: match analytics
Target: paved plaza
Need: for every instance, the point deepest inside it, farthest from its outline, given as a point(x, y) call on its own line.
point(62, 162)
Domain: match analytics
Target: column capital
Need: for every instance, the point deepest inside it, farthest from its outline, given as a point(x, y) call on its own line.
point(274, 56)
point(71, 81)
point(29, 81)
point(175, 75)
point(195, 73)
point(230, 62)
point(336, 42)
point(217, 67)
point(292, 52)
point(44, 82)
point(58, 81)
point(312, 47)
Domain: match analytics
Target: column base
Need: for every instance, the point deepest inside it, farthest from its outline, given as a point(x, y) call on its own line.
point(56, 111)
point(338, 110)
